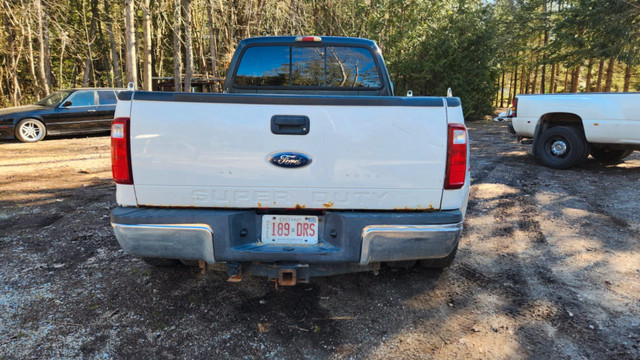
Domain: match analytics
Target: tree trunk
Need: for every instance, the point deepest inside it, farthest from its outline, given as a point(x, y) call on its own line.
point(160, 48)
point(261, 4)
point(535, 80)
point(555, 82)
point(146, 45)
point(244, 16)
point(188, 45)
point(177, 48)
point(15, 62)
point(587, 87)
point(552, 79)
point(627, 77)
point(13, 85)
point(502, 90)
point(1, 84)
point(543, 76)
point(103, 61)
point(212, 37)
point(510, 93)
point(575, 79)
point(89, 35)
point(139, 50)
point(44, 58)
point(609, 82)
point(545, 42)
point(61, 66)
point(199, 44)
point(32, 64)
point(514, 89)
point(566, 81)
point(47, 51)
point(74, 74)
point(130, 43)
point(600, 73)
point(496, 99)
point(115, 62)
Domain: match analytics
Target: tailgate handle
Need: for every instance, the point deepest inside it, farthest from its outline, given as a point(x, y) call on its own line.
point(290, 124)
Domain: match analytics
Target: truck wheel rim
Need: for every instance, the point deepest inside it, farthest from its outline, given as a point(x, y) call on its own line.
point(559, 147)
point(31, 130)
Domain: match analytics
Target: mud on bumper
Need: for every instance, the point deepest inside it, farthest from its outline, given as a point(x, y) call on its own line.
point(350, 239)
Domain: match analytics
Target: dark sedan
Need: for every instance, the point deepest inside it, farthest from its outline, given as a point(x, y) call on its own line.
point(74, 111)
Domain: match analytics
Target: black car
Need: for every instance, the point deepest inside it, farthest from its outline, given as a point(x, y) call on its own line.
point(74, 111)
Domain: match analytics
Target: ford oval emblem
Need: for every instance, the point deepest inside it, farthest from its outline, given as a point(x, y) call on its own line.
point(289, 159)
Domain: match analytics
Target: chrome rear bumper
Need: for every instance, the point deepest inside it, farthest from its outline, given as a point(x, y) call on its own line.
point(357, 238)
point(187, 242)
point(408, 242)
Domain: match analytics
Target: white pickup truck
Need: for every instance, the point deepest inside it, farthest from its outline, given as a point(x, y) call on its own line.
point(306, 166)
point(566, 128)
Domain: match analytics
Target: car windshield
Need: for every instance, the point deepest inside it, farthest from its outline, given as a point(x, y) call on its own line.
point(54, 99)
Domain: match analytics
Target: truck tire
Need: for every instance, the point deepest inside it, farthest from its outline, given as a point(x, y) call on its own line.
point(562, 147)
point(161, 262)
point(30, 130)
point(439, 263)
point(609, 156)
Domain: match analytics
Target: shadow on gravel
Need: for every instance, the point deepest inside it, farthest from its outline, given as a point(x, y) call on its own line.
point(350, 315)
point(559, 247)
point(47, 206)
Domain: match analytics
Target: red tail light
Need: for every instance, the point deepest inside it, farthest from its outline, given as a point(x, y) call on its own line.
point(120, 151)
point(514, 107)
point(308, 38)
point(456, 157)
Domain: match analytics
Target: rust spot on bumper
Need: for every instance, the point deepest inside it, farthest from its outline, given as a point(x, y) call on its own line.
point(328, 204)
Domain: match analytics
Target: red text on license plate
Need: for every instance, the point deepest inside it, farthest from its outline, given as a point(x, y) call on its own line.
point(289, 229)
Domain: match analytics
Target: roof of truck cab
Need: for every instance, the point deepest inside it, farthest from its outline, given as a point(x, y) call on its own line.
point(325, 39)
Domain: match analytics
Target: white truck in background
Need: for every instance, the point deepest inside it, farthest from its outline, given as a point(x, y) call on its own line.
point(566, 128)
point(306, 166)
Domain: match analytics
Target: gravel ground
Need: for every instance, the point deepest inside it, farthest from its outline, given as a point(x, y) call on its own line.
point(548, 267)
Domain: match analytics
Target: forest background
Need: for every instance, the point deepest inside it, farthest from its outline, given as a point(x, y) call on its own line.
point(486, 51)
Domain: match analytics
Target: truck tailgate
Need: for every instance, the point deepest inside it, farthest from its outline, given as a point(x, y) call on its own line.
point(387, 153)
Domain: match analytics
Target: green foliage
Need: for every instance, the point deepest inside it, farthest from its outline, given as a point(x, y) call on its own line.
point(605, 28)
point(459, 54)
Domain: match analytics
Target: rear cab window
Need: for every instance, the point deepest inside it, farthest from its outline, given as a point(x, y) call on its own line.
point(307, 67)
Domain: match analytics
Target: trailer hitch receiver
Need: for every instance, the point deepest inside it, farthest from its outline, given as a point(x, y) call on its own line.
point(287, 277)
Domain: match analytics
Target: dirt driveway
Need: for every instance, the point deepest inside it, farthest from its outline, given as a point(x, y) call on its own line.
point(548, 267)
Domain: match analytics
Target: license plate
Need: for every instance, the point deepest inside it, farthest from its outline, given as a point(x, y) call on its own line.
point(289, 229)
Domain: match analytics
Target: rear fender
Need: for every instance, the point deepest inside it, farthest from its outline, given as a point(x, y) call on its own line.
point(549, 120)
